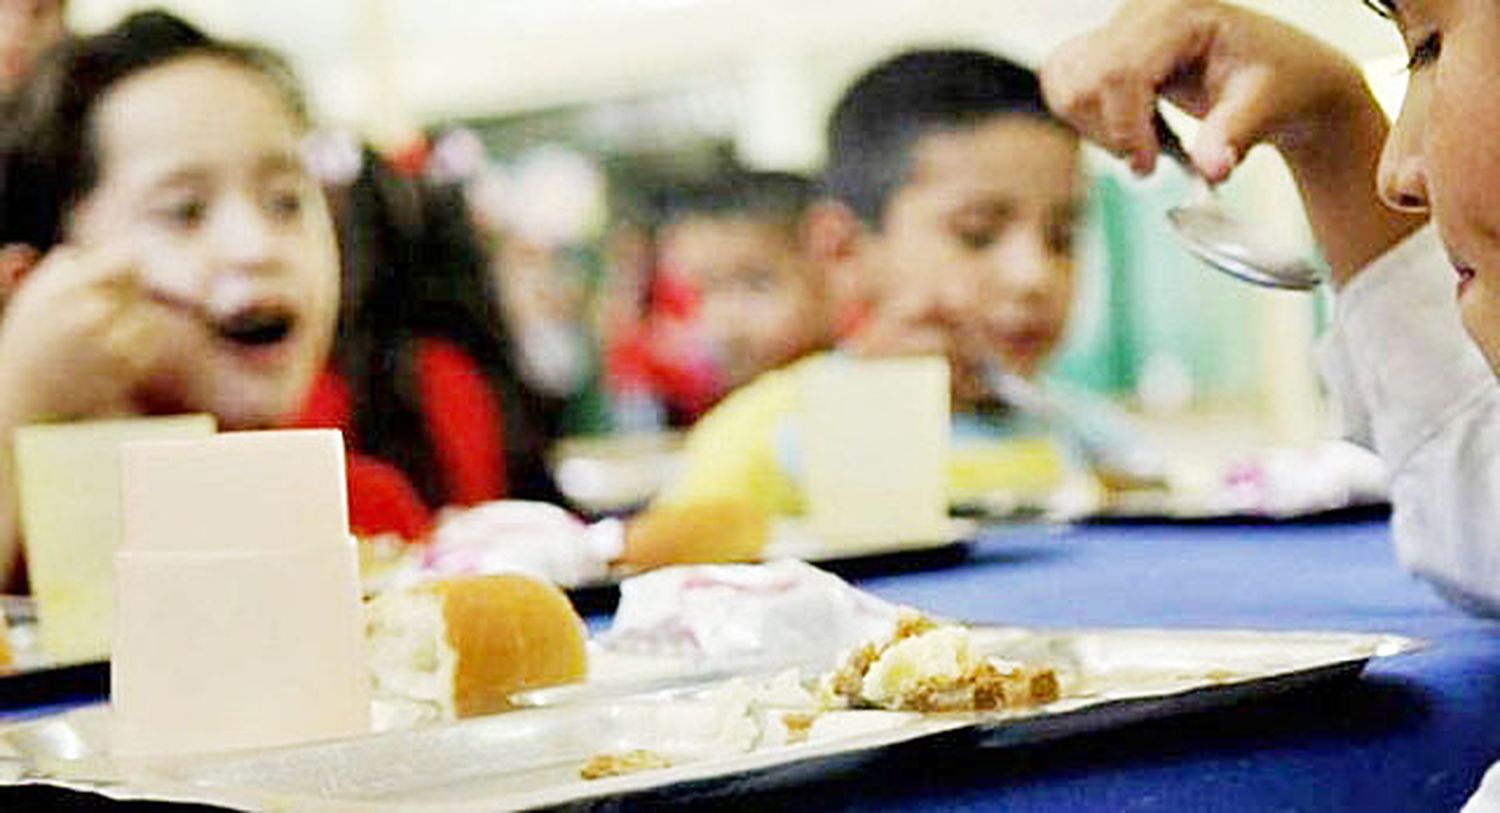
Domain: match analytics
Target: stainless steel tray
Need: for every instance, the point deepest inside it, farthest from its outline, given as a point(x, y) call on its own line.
point(710, 732)
point(33, 678)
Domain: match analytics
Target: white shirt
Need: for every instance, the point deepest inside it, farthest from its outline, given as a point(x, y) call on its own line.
point(1412, 386)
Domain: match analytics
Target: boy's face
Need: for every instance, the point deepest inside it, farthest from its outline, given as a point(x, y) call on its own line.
point(761, 302)
point(200, 182)
point(1442, 153)
point(974, 258)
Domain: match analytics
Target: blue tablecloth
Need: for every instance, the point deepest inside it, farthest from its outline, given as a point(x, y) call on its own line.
point(1415, 733)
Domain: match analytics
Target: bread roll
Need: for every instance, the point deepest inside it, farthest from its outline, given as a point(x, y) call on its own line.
point(460, 647)
point(700, 532)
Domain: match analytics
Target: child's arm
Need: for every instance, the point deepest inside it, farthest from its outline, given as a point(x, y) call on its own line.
point(79, 339)
point(1252, 80)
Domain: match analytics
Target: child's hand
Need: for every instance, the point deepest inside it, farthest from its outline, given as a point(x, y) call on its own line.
point(1250, 78)
point(82, 338)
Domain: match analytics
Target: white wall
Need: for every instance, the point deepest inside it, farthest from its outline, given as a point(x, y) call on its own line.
point(378, 63)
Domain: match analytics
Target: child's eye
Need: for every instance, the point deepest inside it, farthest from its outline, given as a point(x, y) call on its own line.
point(975, 239)
point(1061, 238)
point(758, 281)
point(285, 203)
point(182, 214)
point(1425, 52)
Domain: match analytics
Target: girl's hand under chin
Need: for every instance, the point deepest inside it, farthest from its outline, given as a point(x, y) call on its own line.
point(82, 338)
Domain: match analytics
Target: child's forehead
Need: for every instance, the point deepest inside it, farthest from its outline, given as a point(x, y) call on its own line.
point(194, 110)
point(1009, 156)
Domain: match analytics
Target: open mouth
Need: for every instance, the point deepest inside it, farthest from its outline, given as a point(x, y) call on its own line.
point(257, 327)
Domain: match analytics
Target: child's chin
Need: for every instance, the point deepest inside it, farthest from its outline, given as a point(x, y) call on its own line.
point(246, 410)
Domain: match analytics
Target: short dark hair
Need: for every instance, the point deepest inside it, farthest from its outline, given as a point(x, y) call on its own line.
point(47, 155)
point(880, 118)
point(771, 196)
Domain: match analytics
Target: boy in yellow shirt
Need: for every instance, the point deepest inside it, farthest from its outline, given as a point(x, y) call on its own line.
point(947, 228)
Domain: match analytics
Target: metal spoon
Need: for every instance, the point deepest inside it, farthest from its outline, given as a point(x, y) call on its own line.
point(1115, 466)
point(1224, 241)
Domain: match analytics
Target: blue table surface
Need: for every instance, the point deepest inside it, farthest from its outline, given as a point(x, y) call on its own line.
point(1414, 733)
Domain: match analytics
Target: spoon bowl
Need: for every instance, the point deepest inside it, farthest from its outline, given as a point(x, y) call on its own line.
point(1226, 242)
point(1221, 240)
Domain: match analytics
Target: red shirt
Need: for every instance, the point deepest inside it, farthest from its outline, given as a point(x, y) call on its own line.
point(464, 425)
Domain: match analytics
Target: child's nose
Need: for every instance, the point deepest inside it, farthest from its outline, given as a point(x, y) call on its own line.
point(1403, 171)
point(1026, 266)
point(244, 236)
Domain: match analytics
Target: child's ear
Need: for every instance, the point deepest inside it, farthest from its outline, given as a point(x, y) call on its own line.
point(16, 261)
point(836, 243)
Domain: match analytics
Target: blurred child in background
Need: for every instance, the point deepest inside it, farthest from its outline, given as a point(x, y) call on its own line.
point(952, 201)
point(736, 243)
point(539, 215)
point(186, 259)
point(731, 293)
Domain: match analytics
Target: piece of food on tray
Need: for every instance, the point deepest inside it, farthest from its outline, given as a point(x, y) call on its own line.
point(706, 531)
point(930, 667)
point(384, 561)
point(460, 647)
point(641, 759)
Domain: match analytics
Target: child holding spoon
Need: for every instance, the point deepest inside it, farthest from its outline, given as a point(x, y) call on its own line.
point(185, 259)
point(1410, 385)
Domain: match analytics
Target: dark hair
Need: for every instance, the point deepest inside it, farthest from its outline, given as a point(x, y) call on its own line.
point(774, 196)
point(1385, 8)
point(880, 118)
point(413, 268)
point(47, 155)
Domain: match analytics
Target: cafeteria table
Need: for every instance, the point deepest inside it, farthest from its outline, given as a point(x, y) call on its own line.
point(1414, 733)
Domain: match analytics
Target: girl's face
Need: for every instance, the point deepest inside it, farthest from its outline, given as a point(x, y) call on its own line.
point(1442, 154)
point(200, 181)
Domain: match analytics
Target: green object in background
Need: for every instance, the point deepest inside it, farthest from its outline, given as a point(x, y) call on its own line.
point(1145, 298)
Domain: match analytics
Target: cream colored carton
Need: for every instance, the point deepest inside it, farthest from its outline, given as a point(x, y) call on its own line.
point(68, 476)
point(238, 621)
point(874, 439)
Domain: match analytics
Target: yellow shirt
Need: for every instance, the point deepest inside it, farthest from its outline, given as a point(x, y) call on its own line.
point(732, 453)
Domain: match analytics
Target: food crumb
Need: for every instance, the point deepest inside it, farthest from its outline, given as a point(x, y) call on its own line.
point(641, 759)
point(798, 725)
